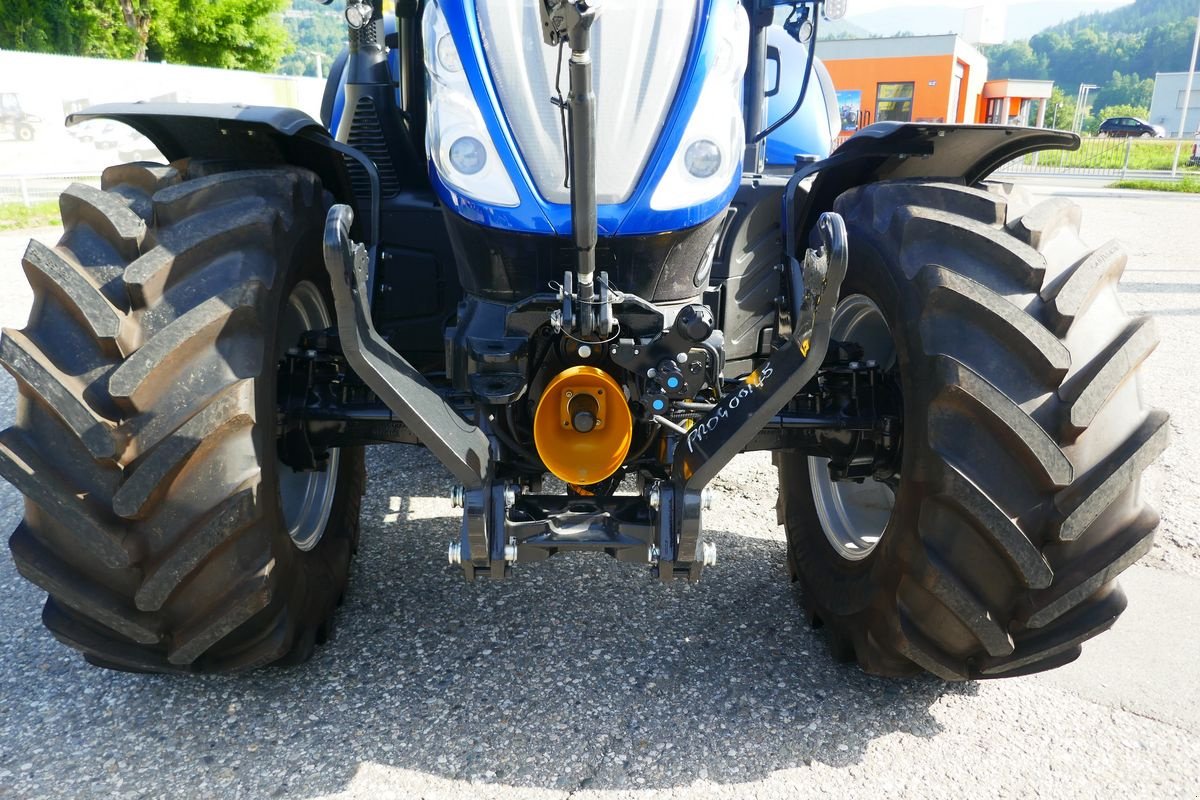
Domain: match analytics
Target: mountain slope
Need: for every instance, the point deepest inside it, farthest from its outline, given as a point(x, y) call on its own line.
point(1132, 18)
point(1120, 51)
point(1024, 19)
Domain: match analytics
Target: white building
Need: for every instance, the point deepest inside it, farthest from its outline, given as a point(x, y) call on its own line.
point(48, 87)
point(1167, 105)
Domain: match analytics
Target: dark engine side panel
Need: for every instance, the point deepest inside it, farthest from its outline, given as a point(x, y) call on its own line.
point(416, 288)
point(745, 275)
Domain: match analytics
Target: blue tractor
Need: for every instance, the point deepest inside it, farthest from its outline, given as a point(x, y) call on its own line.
point(585, 252)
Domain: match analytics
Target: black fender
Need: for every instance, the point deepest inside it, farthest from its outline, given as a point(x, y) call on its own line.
point(898, 151)
point(254, 134)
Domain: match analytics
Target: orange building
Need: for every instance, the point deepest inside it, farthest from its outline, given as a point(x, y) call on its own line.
point(1012, 102)
point(923, 79)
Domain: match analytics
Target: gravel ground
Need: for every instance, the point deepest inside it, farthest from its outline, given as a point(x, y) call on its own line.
point(435, 688)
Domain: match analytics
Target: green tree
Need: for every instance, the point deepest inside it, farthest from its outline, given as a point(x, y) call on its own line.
point(234, 34)
point(1126, 90)
point(1108, 112)
point(1138, 15)
point(1060, 110)
point(1168, 47)
point(138, 16)
point(1016, 60)
point(103, 31)
point(37, 26)
point(312, 28)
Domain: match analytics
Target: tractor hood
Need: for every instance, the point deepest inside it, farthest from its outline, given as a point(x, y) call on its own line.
point(668, 83)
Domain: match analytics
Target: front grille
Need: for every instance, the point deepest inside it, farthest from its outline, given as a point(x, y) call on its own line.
point(366, 36)
point(639, 51)
point(366, 135)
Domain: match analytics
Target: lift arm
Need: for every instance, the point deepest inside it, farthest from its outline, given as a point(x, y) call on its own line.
point(462, 447)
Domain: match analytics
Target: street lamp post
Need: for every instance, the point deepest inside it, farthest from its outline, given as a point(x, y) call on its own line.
point(1081, 99)
point(319, 56)
point(1187, 98)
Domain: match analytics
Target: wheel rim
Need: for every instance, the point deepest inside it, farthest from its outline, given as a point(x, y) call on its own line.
point(855, 515)
point(306, 497)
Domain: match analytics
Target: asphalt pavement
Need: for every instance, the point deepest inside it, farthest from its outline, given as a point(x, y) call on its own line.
point(581, 677)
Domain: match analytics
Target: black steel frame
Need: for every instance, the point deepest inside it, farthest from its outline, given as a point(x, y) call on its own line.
point(471, 455)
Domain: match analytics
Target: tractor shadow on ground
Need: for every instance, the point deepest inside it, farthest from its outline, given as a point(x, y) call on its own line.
point(578, 673)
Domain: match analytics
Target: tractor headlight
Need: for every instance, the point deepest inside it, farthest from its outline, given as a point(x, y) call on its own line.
point(448, 54)
point(468, 155)
point(710, 153)
point(358, 15)
point(702, 158)
point(456, 136)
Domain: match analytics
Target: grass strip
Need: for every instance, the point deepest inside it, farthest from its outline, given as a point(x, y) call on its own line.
point(15, 216)
point(1188, 185)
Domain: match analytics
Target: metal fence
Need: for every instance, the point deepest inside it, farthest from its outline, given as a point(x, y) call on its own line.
point(1108, 158)
point(30, 190)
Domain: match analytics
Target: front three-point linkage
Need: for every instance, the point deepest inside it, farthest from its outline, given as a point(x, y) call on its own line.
point(812, 287)
point(663, 526)
point(587, 307)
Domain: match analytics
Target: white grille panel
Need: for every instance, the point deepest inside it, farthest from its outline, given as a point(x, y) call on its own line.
point(638, 52)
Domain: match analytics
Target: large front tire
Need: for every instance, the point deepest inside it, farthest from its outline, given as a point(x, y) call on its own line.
point(157, 512)
point(1023, 442)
